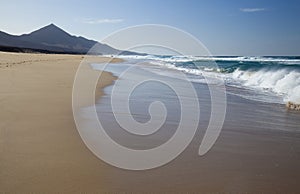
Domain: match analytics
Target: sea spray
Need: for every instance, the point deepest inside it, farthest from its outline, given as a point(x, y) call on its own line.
point(283, 82)
point(279, 76)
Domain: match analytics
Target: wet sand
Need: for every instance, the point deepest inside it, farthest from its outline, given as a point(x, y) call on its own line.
point(256, 152)
point(41, 151)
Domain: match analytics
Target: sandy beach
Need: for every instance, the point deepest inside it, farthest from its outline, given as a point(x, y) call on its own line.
point(174, 97)
point(40, 148)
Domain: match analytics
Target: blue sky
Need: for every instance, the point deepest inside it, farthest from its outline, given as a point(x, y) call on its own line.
point(227, 27)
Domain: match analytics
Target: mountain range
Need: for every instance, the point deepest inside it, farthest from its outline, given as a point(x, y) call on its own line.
point(52, 39)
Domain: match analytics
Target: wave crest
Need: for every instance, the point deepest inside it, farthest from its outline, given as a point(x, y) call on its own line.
point(283, 82)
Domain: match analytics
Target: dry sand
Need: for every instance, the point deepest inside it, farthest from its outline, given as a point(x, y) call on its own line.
point(42, 152)
point(40, 148)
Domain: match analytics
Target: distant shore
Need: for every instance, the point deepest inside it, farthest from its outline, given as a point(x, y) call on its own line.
point(40, 148)
point(31, 50)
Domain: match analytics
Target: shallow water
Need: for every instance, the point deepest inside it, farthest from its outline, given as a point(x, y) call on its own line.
point(258, 149)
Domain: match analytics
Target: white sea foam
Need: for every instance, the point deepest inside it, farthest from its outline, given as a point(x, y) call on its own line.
point(283, 82)
point(210, 58)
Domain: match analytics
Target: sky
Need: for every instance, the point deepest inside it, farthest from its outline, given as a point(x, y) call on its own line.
point(225, 27)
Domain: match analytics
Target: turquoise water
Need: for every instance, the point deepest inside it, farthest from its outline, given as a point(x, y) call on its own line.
point(267, 79)
point(258, 143)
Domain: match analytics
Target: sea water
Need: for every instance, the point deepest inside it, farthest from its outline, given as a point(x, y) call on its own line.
point(267, 79)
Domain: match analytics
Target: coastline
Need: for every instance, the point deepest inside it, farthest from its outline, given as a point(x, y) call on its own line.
point(257, 147)
point(40, 148)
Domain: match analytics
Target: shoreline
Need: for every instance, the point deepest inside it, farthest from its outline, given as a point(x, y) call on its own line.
point(40, 148)
point(257, 146)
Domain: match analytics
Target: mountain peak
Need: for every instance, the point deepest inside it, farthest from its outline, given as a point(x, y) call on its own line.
point(50, 27)
point(51, 38)
point(48, 34)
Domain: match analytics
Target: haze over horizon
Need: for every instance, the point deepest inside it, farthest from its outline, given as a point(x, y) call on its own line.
point(226, 28)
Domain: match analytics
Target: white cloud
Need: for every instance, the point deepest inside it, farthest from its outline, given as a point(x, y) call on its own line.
point(252, 9)
point(103, 21)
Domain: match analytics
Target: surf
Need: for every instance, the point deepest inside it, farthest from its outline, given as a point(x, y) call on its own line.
point(267, 76)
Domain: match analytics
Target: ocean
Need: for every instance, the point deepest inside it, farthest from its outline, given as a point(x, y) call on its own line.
point(256, 147)
point(266, 79)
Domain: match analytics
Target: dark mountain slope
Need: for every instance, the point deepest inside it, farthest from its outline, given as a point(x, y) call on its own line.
point(52, 39)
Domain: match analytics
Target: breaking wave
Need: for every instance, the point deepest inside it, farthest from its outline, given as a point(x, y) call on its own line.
point(277, 75)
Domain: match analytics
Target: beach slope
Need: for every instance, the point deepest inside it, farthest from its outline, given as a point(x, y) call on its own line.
point(40, 148)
